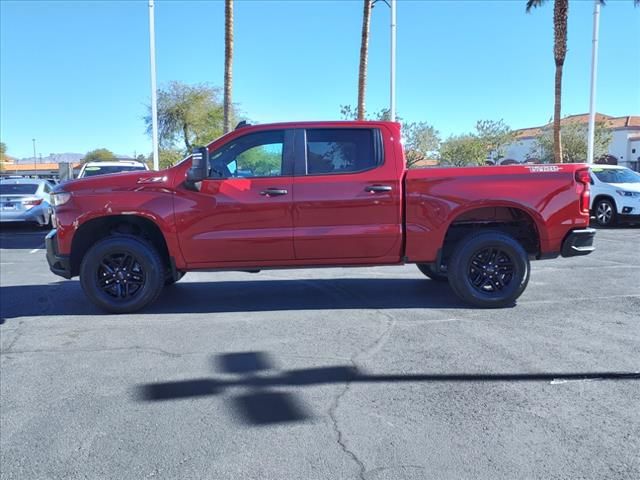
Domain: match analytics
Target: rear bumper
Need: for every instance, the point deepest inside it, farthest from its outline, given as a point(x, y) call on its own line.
point(36, 214)
point(58, 264)
point(578, 242)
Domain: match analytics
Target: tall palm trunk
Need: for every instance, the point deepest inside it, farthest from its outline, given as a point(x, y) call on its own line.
point(364, 53)
point(560, 13)
point(228, 63)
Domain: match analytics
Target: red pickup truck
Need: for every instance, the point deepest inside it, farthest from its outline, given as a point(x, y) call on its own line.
point(316, 194)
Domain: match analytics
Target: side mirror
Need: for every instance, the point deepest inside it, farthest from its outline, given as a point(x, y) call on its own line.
point(199, 166)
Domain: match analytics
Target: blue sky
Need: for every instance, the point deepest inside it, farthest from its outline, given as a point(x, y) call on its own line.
point(75, 74)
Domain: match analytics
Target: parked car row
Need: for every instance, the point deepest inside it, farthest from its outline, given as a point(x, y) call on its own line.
point(28, 200)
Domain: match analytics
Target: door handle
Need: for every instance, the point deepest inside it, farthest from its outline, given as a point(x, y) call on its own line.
point(273, 192)
point(377, 188)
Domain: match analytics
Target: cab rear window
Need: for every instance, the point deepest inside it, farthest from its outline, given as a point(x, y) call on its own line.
point(341, 150)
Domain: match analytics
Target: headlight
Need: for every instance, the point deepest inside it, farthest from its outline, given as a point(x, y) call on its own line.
point(624, 193)
point(60, 198)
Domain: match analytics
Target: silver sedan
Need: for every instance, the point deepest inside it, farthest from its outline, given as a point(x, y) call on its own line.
point(25, 200)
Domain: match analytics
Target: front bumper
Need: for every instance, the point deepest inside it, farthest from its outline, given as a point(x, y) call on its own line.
point(578, 242)
point(58, 264)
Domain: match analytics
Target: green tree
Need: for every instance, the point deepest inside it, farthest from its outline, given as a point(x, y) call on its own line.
point(169, 157)
point(188, 115)
point(421, 142)
point(463, 150)
point(495, 136)
point(574, 141)
point(364, 54)
point(99, 155)
point(3, 154)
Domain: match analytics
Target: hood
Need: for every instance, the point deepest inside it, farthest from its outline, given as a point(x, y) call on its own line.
point(629, 187)
point(116, 181)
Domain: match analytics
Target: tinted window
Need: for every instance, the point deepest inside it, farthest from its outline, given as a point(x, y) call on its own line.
point(615, 175)
point(254, 155)
point(92, 171)
point(18, 188)
point(340, 150)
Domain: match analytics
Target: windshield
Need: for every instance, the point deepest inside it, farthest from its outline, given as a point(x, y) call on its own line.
point(18, 188)
point(95, 170)
point(616, 175)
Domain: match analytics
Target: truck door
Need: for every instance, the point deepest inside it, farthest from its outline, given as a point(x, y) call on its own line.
point(243, 211)
point(347, 196)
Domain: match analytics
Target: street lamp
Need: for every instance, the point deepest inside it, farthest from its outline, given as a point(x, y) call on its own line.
point(154, 93)
point(35, 166)
point(392, 94)
point(594, 73)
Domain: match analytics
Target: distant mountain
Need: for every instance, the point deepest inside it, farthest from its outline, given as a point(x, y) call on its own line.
point(62, 158)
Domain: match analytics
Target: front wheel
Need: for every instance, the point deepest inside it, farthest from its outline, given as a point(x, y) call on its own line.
point(122, 274)
point(605, 213)
point(489, 269)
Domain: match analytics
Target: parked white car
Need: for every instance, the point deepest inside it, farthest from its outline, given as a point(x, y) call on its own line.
point(615, 195)
point(90, 169)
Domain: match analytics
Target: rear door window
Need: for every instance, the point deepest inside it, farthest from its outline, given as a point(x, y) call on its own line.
point(342, 150)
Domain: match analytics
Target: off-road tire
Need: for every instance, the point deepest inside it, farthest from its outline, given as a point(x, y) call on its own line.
point(503, 279)
point(146, 261)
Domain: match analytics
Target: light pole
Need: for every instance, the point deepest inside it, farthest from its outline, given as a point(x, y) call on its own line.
point(594, 73)
point(35, 166)
point(392, 102)
point(154, 93)
point(392, 83)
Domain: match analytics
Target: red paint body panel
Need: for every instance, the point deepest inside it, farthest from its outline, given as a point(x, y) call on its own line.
point(336, 219)
point(229, 221)
point(437, 196)
point(323, 219)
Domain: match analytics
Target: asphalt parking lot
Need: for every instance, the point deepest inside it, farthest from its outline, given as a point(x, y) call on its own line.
point(372, 373)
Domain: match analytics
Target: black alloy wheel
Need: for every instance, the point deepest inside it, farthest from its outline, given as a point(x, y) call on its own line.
point(489, 269)
point(120, 275)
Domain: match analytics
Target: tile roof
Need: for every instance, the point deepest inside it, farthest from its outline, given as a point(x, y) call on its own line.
point(612, 122)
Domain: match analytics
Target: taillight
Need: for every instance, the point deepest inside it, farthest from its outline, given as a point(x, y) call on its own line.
point(583, 178)
point(32, 202)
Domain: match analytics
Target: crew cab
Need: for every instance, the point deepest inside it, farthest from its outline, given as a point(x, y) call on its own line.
point(316, 194)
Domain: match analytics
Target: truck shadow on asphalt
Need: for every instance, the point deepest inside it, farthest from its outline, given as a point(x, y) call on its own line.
point(265, 401)
point(67, 298)
point(22, 237)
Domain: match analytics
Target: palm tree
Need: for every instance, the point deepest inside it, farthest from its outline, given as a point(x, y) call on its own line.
point(560, 13)
point(364, 52)
point(228, 63)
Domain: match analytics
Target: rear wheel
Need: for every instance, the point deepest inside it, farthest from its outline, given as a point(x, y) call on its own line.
point(605, 212)
point(122, 274)
point(428, 270)
point(489, 269)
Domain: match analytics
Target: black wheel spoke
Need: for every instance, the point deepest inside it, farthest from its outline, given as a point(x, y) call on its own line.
point(490, 270)
point(120, 275)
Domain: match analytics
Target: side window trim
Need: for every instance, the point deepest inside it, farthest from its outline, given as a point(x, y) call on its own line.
point(302, 168)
